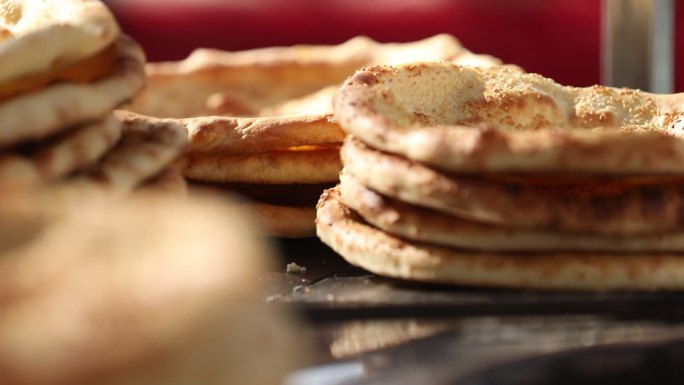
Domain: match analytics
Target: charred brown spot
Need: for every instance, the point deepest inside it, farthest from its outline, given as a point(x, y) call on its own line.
point(677, 124)
point(365, 78)
point(605, 208)
point(421, 118)
point(513, 189)
point(653, 200)
point(680, 215)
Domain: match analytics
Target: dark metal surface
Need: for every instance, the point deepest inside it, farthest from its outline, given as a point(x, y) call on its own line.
point(409, 333)
point(624, 363)
point(332, 290)
point(638, 44)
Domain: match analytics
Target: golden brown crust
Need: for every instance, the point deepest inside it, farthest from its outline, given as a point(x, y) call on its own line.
point(425, 225)
point(71, 151)
point(62, 105)
point(501, 120)
point(378, 252)
point(220, 135)
point(638, 210)
point(87, 70)
point(275, 167)
point(39, 36)
point(148, 146)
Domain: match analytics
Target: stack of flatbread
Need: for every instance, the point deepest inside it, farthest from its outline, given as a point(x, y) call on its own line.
point(64, 68)
point(275, 141)
point(494, 177)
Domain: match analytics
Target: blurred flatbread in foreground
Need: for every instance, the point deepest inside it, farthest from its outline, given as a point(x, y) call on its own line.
point(384, 254)
point(170, 182)
point(145, 291)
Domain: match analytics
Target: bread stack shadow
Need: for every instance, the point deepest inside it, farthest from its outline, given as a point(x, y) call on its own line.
point(492, 177)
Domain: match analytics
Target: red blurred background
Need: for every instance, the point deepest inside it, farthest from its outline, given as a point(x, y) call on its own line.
point(556, 38)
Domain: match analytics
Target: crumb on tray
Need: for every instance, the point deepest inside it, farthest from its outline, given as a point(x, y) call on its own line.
point(295, 268)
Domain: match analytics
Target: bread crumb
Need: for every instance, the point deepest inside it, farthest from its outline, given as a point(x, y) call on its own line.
point(295, 268)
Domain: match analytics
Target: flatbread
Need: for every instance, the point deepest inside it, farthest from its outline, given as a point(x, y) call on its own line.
point(39, 35)
point(428, 226)
point(380, 253)
point(23, 218)
point(262, 77)
point(157, 278)
point(275, 167)
point(147, 147)
point(221, 135)
point(62, 105)
point(85, 70)
point(46, 162)
point(254, 79)
point(469, 120)
point(647, 209)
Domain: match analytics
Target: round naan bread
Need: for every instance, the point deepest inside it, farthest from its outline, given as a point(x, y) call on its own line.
point(56, 107)
point(641, 206)
point(384, 254)
point(147, 149)
point(420, 224)
point(41, 35)
point(243, 83)
point(498, 119)
point(300, 146)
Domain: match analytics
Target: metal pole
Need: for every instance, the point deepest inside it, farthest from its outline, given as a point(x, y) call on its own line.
point(638, 44)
